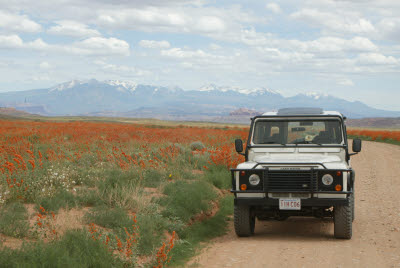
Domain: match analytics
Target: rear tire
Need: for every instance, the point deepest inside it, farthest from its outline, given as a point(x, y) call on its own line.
point(343, 221)
point(243, 220)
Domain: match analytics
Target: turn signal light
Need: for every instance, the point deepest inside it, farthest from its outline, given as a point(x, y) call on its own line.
point(243, 187)
point(338, 187)
point(338, 173)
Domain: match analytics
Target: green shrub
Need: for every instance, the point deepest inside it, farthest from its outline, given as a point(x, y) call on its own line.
point(14, 220)
point(180, 147)
point(219, 176)
point(185, 199)
point(197, 146)
point(88, 197)
point(74, 249)
point(117, 188)
point(115, 218)
point(61, 199)
point(151, 226)
point(154, 177)
point(191, 237)
point(151, 232)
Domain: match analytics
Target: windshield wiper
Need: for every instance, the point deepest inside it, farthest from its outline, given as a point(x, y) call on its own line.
point(272, 142)
point(306, 142)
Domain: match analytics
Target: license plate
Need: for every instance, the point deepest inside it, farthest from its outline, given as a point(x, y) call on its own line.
point(289, 203)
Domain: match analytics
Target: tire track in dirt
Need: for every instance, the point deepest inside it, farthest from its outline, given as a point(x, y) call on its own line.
point(309, 242)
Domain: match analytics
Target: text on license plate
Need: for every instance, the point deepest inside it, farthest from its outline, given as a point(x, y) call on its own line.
point(290, 203)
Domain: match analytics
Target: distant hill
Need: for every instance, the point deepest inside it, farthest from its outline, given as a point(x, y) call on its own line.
point(121, 98)
point(375, 122)
point(12, 112)
point(244, 112)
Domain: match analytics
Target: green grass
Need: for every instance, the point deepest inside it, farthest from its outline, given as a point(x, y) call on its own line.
point(151, 232)
point(114, 218)
point(14, 220)
point(88, 197)
point(61, 199)
point(185, 199)
point(219, 176)
point(74, 249)
point(117, 188)
point(154, 177)
point(193, 236)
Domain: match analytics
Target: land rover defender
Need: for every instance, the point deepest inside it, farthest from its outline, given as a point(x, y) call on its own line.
point(297, 163)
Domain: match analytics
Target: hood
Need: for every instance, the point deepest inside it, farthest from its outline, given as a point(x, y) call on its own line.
point(296, 158)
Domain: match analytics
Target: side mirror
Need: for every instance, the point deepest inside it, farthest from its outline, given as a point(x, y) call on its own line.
point(239, 145)
point(356, 145)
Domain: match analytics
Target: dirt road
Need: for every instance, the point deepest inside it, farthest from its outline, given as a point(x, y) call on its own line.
point(309, 242)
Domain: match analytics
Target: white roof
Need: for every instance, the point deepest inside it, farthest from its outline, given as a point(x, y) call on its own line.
point(327, 113)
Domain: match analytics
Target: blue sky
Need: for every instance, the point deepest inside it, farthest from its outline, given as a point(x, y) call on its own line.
point(348, 49)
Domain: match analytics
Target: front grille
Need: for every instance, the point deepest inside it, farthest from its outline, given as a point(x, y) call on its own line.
point(290, 180)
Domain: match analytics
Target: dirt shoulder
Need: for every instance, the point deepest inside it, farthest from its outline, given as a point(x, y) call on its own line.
point(309, 242)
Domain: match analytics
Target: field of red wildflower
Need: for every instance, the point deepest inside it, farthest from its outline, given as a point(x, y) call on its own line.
point(390, 136)
point(133, 193)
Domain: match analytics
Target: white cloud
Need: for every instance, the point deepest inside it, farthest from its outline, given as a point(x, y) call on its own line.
point(214, 22)
point(273, 7)
point(210, 24)
point(389, 28)
point(335, 44)
point(343, 22)
point(122, 70)
point(214, 46)
point(44, 65)
point(345, 82)
point(154, 44)
point(101, 46)
point(182, 54)
point(73, 29)
point(17, 23)
point(93, 46)
point(197, 58)
point(376, 59)
point(38, 44)
point(10, 41)
point(325, 44)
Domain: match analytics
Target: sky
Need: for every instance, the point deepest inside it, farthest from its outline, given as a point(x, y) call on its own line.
point(349, 49)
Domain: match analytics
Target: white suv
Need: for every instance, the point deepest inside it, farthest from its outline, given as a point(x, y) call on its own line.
point(297, 164)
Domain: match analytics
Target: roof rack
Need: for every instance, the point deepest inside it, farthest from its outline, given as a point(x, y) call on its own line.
point(300, 111)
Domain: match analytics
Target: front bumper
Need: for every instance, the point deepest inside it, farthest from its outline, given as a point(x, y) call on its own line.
point(274, 202)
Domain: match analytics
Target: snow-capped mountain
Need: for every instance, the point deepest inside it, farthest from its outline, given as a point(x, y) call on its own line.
point(127, 98)
point(247, 91)
point(123, 86)
point(66, 85)
point(316, 95)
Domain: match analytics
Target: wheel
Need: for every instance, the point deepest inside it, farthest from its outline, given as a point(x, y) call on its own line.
point(243, 221)
point(352, 201)
point(343, 221)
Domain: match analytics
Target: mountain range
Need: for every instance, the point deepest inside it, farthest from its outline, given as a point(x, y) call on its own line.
point(122, 98)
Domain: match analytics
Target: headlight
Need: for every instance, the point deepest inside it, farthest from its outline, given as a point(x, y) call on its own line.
point(254, 179)
point(327, 179)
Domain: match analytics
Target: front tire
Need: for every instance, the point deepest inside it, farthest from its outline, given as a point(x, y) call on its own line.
point(352, 201)
point(343, 221)
point(244, 222)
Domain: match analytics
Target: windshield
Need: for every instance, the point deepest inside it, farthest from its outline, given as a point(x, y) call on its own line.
point(297, 132)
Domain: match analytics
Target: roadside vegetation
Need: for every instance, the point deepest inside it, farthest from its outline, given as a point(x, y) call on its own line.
point(103, 194)
point(387, 136)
